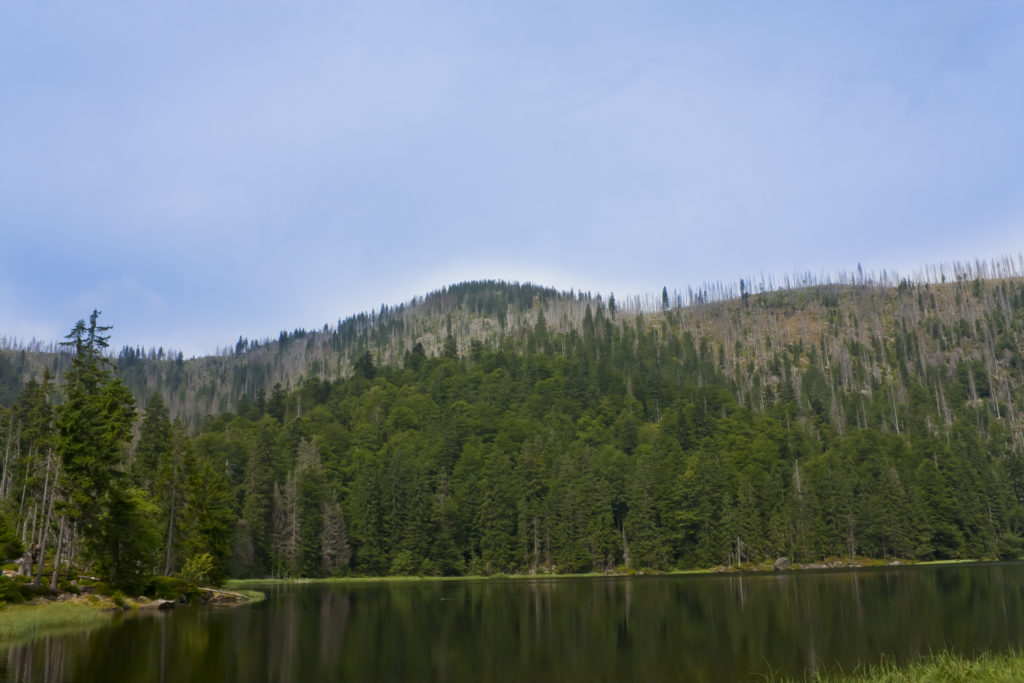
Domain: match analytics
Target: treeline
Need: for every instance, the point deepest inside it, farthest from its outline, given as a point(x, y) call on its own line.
point(737, 320)
point(624, 445)
point(618, 447)
point(834, 421)
point(87, 488)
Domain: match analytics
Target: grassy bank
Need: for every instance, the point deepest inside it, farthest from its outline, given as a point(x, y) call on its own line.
point(941, 668)
point(251, 595)
point(235, 584)
point(860, 563)
point(745, 568)
point(19, 622)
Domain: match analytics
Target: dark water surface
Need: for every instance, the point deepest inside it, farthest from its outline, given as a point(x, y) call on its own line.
point(666, 628)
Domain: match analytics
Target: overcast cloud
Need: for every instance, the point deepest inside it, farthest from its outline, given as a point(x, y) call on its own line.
point(200, 172)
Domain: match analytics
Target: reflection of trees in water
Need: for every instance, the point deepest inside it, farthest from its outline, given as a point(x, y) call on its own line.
point(39, 660)
point(643, 628)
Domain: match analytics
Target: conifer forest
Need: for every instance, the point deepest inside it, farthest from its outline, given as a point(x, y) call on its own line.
point(492, 428)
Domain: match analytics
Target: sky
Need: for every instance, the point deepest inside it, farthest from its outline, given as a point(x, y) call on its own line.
point(200, 171)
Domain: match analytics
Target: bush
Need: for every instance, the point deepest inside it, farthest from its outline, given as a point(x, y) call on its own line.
point(404, 564)
point(476, 567)
point(197, 569)
point(99, 587)
point(166, 587)
point(29, 591)
point(10, 544)
point(9, 591)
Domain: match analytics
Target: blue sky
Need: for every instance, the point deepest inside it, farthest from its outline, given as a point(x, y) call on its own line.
point(200, 171)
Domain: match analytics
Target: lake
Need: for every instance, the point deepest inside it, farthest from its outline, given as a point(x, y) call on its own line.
point(656, 628)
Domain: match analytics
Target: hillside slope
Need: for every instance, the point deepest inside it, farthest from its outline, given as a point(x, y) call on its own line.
point(493, 427)
point(836, 347)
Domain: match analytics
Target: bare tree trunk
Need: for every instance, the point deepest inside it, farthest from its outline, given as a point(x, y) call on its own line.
point(56, 557)
point(24, 488)
point(5, 479)
point(169, 557)
point(625, 547)
point(73, 545)
point(44, 535)
point(536, 546)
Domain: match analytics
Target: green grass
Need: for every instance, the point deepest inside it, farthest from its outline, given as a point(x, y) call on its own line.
point(234, 584)
point(19, 622)
point(254, 596)
point(944, 667)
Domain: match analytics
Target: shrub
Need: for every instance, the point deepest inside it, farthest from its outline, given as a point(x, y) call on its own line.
point(10, 544)
point(166, 587)
point(197, 569)
point(404, 564)
point(29, 591)
point(9, 591)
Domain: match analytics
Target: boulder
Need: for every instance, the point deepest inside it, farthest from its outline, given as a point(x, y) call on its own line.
point(158, 604)
point(781, 564)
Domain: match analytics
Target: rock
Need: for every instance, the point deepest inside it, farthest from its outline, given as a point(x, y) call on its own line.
point(895, 563)
point(213, 596)
point(781, 564)
point(158, 604)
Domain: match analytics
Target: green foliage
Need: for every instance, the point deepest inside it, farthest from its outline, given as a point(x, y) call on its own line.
point(154, 443)
point(94, 424)
point(131, 539)
point(10, 590)
point(943, 666)
point(10, 544)
point(166, 587)
point(808, 424)
point(25, 621)
point(197, 569)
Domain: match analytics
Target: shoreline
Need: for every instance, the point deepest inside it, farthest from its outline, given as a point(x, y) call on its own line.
point(751, 569)
point(27, 621)
point(81, 613)
point(42, 617)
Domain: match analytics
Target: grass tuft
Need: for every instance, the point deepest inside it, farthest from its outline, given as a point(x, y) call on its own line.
point(18, 622)
point(939, 668)
point(254, 596)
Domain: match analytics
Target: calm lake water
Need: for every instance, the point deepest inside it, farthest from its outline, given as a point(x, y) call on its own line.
point(666, 628)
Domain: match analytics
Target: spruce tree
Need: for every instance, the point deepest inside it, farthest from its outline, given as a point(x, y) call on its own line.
point(94, 424)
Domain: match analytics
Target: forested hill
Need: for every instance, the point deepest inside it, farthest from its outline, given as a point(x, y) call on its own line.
point(493, 313)
point(838, 348)
point(497, 428)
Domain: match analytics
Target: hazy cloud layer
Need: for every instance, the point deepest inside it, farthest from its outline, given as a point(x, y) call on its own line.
point(203, 172)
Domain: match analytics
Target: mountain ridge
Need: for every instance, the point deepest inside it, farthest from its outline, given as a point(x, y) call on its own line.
point(738, 325)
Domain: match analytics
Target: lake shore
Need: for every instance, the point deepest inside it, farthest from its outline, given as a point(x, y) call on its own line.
point(25, 621)
point(83, 612)
point(820, 643)
point(746, 568)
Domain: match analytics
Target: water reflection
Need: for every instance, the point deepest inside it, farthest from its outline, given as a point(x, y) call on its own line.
point(699, 628)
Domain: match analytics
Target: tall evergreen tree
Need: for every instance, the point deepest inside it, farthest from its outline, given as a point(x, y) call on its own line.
point(95, 423)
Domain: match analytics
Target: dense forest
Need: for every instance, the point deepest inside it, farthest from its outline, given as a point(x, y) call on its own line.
point(508, 428)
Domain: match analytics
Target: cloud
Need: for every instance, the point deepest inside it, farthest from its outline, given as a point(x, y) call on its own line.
point(205, 173)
